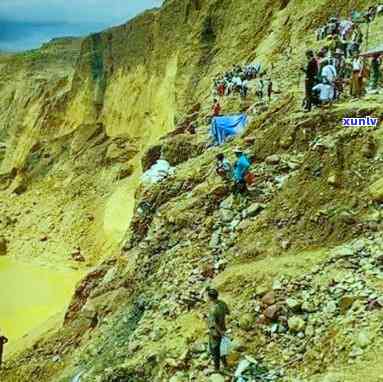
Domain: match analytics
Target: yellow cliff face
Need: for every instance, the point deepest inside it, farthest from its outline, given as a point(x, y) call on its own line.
point(142, 108)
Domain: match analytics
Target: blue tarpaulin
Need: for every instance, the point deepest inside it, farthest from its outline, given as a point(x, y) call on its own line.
point(227, 126)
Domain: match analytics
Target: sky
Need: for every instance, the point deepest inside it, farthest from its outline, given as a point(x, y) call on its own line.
point(26, 24)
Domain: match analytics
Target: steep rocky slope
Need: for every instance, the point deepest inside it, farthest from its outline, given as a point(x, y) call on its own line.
point(77, 125)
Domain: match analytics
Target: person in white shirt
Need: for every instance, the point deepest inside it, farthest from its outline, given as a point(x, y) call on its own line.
point(345, 28)
point(329, 71)
point(326, 92)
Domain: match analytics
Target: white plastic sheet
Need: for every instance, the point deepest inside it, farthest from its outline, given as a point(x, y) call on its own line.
point(158, 172)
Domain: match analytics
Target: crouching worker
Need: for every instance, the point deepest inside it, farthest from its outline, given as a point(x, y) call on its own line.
point(241, 168)
point(223, 167)
point(217, 327)
point(324, 93)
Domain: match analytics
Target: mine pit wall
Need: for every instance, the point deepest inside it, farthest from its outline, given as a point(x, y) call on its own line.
point(136, 80)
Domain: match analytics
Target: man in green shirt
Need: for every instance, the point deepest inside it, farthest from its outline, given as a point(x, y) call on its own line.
point(217, 326)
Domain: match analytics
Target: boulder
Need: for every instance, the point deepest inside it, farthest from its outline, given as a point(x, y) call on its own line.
point(345, 303)
point(198, 347)
point(308, 307)
point(286, 141)
point(226, 215)
point(293, 304)
point(333, 179)
point(269, 298)
point(243, 225)
point(246, 322)
point(363, 339)
point(215, 239)
point(296, 324)
point(254, 210)
point(272, 312)
point(228, 202)
point(216, 378)
point(273, 159)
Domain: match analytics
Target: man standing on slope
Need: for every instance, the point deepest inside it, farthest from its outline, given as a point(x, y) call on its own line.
point(217, 327)
point(241, 168)
point(311, 72)
point(3, 341)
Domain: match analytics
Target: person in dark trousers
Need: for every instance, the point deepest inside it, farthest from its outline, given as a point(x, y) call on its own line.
point(311, 72)
point(3, 341)
point(269, 89)
point(217, 327)
point(375, 68)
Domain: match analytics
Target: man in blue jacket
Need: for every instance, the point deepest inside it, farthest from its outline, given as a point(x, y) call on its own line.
point(241, 168)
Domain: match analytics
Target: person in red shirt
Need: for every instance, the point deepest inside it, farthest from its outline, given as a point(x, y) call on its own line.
point(216, 108)
point(221, 89)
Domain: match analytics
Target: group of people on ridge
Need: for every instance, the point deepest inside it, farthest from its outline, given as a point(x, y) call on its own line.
point(236, 80)
point(339, 62)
